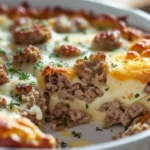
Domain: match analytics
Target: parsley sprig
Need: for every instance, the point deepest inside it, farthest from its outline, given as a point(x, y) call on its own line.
point(22, 75)
point(2, 51)
point(38, 65)
point(75, 134)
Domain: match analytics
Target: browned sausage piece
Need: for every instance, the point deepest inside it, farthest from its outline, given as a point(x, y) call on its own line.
point(34, 34)
point(93, 70)
point(29, 55)
point(63, 24)
point(3, 75)
point(80, 23)
point(67, 51)
point(107, 40)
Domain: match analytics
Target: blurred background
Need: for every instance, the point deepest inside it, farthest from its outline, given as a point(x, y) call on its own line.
point(140, 4)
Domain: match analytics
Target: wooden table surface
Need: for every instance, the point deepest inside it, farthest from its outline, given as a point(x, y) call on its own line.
point(141, 4)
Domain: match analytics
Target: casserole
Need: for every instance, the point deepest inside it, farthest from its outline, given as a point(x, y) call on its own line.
point(96, 9)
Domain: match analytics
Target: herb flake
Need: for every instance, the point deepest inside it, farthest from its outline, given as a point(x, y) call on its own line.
point(38, 65)
point(98, 129)
point(75, 134)
point(85, 58)
point(106, 89)
point(87, 106)
point(11, 105)
point(2, 51)
point(63, 144)
point(137, 95)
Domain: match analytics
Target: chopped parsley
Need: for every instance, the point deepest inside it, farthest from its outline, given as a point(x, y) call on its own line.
point(32, 83)
point(137, 95)
point(12, 104)
point(47, 120)
point(63, 144)
point(85, 58)
point(148, 99)
point(59, 64)
point(113, 65)
point(65, 122)
point(126, 127)
point(66, 38)
point(22, 75)
point(53, 55)
point(20, 50)
point(38, 65)
point(98, 129)
point(75, 134)
point(106, 89)
point(2, 51)
point(87, 106)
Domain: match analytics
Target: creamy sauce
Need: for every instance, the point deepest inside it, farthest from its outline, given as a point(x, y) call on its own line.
point(123, 90)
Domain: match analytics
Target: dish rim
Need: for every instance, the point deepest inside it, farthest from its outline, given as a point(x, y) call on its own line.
point(128, 140)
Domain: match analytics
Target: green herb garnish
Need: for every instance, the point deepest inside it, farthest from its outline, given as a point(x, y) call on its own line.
point(137, 95)
point(85, 58)
point(66, 38)
point(148, 99)
point(106, 89)
point(2, 51)
point(53, 55)
point(11, 105)
point(63, 144)
point(75, 134)
point(22, 75)
point(38, 65)
point(87, 106)
point(113, 65)
point(126, 127)
point(32, 83)
point(98, 129)
point(20, 50)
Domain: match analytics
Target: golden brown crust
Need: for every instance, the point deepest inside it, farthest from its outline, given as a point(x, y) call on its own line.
point(21, 132)
point(67, 51)
point(106, 21)
point(50, 70)
point(34, 34)
point(29, 55)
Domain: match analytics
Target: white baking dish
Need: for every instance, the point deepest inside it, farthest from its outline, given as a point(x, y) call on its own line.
point(136, 18)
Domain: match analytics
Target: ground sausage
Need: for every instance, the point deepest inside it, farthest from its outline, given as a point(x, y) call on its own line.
point(80, 23)
point(136, 128)
point(114, 111)
point(62, 116)
point(93, 70)
point(67, 51)
point(3, 75)
point(131, 113)
point(116, 114)
point(107, 40)
point(28, 55)
point(34, 34)
point(86, 92)
point(62, 24)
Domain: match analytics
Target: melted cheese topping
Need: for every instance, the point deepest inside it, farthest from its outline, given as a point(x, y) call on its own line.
point(124, 81)
point(136, 69)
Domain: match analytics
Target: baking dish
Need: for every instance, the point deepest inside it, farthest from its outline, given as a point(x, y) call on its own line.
point(100, 7)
